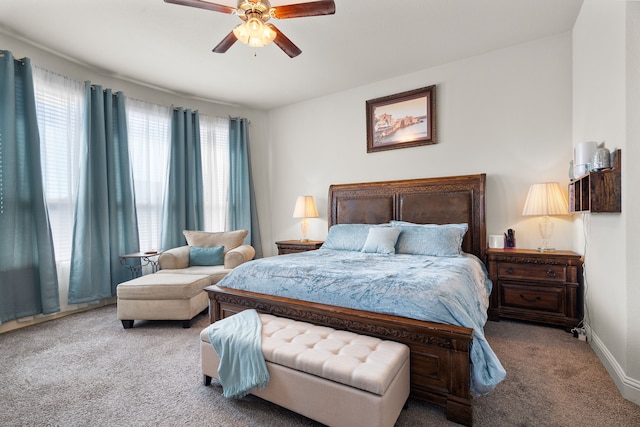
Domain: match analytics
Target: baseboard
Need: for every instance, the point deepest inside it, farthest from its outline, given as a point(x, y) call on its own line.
point(628, 387)
point(40, 318)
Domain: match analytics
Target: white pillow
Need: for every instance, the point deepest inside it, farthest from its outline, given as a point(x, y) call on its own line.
point(381, 240)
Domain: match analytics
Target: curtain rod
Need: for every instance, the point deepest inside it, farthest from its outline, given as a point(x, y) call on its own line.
point(20, 60)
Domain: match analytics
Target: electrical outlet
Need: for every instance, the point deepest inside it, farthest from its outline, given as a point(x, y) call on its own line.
point(579, 333)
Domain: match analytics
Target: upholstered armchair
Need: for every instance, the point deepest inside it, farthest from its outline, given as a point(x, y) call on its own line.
point(175, 292)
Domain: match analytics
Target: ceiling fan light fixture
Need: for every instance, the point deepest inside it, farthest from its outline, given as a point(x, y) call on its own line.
point(254, 27)
point(254, 33)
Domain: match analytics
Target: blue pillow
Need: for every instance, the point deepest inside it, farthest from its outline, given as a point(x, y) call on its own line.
point(206, 256)
point(430, 239)
point(381, 240)
point(347, 237)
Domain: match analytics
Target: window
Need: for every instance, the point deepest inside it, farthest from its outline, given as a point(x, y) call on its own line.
point(214, 142)
point(148, 128)
point(60, 107)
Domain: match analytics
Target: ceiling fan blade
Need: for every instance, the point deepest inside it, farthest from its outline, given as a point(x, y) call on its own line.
point(203, 5)
point(284, 43)
point(315, 8)
point(226, 43)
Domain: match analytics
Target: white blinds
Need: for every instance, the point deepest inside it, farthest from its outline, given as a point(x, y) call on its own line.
point(214, 140)
point(148, 129)
point(59, 107)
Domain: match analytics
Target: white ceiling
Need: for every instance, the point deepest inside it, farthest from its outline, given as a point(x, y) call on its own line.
point(169, 46)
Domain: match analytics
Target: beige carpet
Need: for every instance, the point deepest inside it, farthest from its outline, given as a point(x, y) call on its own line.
point(85, 369)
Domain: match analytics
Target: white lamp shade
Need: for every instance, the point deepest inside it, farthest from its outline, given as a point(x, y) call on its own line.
point(545, 199)
point(305, 208)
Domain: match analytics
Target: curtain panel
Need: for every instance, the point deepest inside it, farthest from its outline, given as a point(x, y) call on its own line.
point(183, 208)
point(243, 214)
point(105, 224)
point(28, 278)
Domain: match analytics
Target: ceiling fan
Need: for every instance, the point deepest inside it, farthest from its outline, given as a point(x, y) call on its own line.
point(255, 31)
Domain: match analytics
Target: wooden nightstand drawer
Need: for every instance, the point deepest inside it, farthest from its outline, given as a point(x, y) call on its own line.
point(539, 298)
point(508, 270)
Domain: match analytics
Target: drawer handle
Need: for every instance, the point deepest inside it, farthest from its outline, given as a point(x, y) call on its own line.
point(510, 270)
point(530, 300)
point(551, 273)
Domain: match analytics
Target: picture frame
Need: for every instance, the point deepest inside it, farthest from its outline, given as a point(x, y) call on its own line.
point(402, 120)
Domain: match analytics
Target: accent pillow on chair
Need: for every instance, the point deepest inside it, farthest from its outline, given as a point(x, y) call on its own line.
point(206, 256)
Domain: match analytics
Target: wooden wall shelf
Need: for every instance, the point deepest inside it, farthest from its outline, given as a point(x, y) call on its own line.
point(598, 191)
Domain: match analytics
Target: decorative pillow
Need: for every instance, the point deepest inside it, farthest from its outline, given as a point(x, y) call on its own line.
point(206, 256)
point(430, 239)
point(381, 240)
point(347, 237)
point(204, 239)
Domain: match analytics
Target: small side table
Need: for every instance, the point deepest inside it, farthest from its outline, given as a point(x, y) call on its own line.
point(146, 258)
point(295, 246)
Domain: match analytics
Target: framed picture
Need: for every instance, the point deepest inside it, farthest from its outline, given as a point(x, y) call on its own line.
point(406, 119)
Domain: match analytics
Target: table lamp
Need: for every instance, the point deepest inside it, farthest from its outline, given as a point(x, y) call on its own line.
point(305, 208)
point(544, 200)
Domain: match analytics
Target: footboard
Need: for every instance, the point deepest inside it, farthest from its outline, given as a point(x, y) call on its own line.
point(440, 359)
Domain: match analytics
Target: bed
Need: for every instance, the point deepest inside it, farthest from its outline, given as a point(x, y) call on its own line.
point(440, 353)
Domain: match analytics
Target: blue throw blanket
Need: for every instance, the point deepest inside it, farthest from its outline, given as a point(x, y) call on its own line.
point(238, 342)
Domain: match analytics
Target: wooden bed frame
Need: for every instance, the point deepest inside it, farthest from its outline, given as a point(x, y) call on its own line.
point(440, 358)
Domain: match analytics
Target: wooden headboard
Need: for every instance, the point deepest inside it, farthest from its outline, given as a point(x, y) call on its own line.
point(448, 200)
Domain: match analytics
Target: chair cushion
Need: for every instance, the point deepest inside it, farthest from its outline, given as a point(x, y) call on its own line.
point(215, 273)
point(204, 239)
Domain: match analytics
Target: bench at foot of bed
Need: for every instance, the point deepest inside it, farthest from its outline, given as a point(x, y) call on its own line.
point(335, 377)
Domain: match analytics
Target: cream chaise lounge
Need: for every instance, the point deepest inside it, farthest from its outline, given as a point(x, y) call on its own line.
point(175, 292)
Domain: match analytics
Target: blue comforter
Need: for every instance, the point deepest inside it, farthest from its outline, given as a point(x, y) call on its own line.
point(450, 290)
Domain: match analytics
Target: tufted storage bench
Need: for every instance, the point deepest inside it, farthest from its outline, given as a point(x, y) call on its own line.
point(338, 378)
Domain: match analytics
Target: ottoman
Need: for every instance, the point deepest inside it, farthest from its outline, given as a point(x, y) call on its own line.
point(162, 297)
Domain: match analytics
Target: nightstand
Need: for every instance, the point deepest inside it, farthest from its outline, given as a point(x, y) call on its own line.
point(294, 246)
point(537, 286)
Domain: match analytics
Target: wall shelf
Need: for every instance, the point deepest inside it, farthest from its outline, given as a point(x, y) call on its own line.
point(598, 191)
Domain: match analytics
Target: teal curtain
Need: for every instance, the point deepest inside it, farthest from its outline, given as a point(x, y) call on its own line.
point(105, 224)
point(243, 214)
point(183, 207)
point(28, 277)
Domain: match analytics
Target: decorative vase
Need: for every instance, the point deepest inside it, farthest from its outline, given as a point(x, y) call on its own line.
point(571, 174)
point(601, 159)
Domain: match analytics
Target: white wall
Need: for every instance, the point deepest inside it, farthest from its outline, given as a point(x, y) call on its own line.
point(506, 113)
point(606, 108)
point(633, 198)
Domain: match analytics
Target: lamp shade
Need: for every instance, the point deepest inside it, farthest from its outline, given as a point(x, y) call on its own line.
point(545, 199)
point(305, 208)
